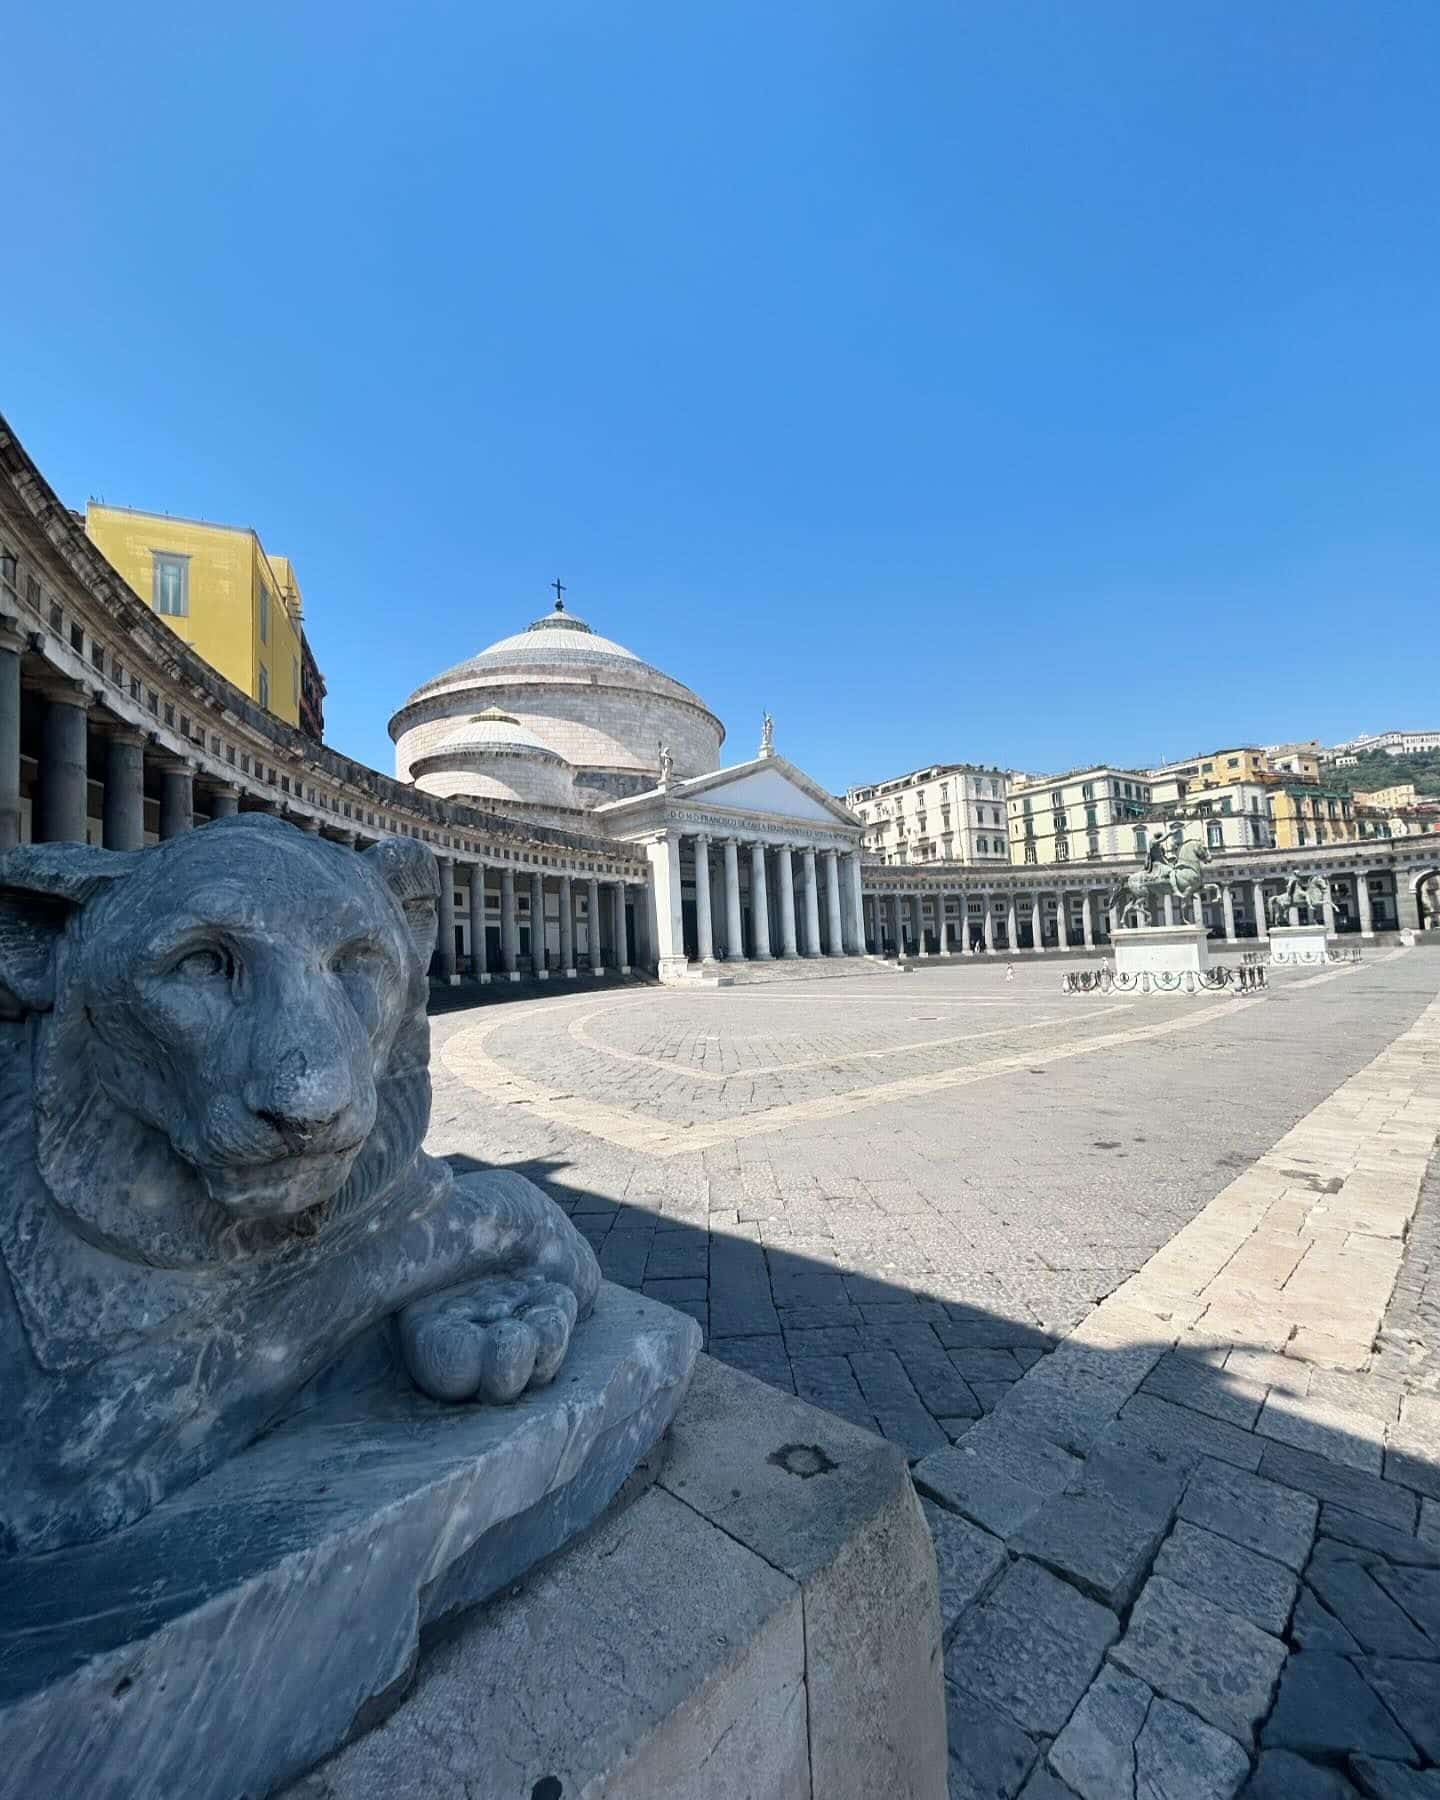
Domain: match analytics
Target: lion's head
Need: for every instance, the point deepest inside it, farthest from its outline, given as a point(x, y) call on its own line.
point(230, 1040)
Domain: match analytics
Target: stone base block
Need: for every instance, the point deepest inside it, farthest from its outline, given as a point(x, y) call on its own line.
point(673, 969)
point(246, 1627)
point(1299, 944)
point(1161, 950)
point(761, 1624)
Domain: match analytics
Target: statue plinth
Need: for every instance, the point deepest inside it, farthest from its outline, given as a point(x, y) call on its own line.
point(1161, 950)
point(1299, 944)
point(251, 1623)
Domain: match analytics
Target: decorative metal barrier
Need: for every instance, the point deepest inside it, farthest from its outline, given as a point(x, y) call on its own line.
point(1316, 959)
point(1246, 979)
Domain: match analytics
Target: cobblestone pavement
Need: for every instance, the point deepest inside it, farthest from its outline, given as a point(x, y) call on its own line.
point(1192, 1551)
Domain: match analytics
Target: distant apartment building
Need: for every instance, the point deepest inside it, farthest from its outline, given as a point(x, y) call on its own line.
point(1388, 743)
point(216, 587)
point(948, 812)
point(1087, 815)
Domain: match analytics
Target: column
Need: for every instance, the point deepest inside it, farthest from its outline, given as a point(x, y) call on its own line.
point(1169, 909)
point(734, 939)
point(940, 938)
point(620, 937)
point(11, 647)
point(785, 869)
point(1087, 919)
point(509, 927)
point(1012, 924)
point(917, 907)
point(177, 799)
point(1227, 900)
point(62, 806)
point(224, 800)
point(892, 923)
point(811, 897)
point(961, 943)
point(1362, 895)
point(445, 935)
point(567, 929)
point(857, 905)
point(479, 949)
point(592, 907)
point(760, 901)
point(1037, 932)
point(832, 903)
point(123, 810)
point(704, 927)
point(1258, 890)
point(1062, 922)
point(664, 855)
point(988, 900)
point(537, 927)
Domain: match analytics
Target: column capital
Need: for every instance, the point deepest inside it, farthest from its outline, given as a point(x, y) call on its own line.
point(61, 691)
point(12, 638)
point(175, 765)
point(119, 732)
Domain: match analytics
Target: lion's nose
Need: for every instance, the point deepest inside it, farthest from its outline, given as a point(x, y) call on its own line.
point(304, 1101)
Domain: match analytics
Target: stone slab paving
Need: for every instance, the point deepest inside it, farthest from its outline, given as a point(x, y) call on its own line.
point(1244, 1555)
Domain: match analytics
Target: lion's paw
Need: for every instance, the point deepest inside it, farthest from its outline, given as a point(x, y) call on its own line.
point(489, 1340)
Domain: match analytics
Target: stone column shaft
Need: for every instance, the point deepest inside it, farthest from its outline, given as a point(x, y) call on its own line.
point(734, 939)
point(811, 898)
point(917, 908)
point(664, 855)
point(1087, 920)
point(1367, 912)
point(592, 910)
point(1227, 899)
point(704, 926)
point(759, 903)
point(10, 649)
point(832, 903)
point(537, 927)
point(63, 803)
point(1037, 927)
point(988, 935)
point(224, 801)
point(123, 808)
point(857, 905)
point(1261, 928)
point(445, 935)
point(785, 870)
point(177, 800)
point(1012, 924)
point(620, 936)
point(479, 949)
point(567, 929)
point(509, 925)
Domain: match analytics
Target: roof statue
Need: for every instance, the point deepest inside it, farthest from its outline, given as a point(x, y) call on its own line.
point(767, 735)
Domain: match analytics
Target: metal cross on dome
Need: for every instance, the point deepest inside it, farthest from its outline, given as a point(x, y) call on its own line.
point(559, 587)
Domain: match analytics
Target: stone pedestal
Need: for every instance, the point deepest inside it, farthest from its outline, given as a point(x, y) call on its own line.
point(1163, 950)
point(673, 970)
point(249, 1625)
point(1299, 944)
point(761, 1623)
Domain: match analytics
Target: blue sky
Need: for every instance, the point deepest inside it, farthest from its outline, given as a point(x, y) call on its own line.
point(1007, 381)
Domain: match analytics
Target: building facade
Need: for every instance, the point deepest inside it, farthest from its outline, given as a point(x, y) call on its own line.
point(949, 812)
point(219, 592)
point(1390, 743)
point(1098, 814)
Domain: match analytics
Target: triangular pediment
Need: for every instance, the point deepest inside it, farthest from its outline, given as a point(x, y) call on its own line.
point(768, 784)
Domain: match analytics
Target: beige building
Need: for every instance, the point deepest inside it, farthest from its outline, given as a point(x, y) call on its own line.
point(948, 812)
point(1097, 814)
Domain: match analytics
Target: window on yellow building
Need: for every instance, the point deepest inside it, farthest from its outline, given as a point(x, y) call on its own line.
point(171, 579)
point(264, 687)
point(264, 614)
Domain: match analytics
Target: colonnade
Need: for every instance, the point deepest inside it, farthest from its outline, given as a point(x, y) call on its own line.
point(589, 915)
point(915, 921)
point(754, 900)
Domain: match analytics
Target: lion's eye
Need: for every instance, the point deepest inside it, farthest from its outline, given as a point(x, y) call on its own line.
point(209, 964)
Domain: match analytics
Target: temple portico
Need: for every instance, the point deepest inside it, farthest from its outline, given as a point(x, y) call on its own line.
point(751, 864)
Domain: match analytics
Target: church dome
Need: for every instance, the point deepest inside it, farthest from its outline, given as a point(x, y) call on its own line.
point(491, 756)
point(560, 690)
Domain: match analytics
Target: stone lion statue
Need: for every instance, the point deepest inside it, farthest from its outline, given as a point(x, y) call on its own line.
point(214, 1087)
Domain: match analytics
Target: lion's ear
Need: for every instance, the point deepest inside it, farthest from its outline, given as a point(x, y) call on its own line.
point(408, 868)
point(41, 886)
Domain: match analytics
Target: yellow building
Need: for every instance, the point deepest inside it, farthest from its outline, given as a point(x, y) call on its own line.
point(215, 587)
point(1305, 815)
point(1219, 768)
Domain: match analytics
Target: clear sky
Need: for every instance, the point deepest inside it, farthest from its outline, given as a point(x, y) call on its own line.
point(960, 379)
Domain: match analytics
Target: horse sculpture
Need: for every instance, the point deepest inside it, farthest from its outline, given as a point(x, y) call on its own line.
point(1181, 877)
point(1306, 896)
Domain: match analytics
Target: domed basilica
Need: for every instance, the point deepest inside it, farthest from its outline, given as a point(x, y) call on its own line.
point(749, 861)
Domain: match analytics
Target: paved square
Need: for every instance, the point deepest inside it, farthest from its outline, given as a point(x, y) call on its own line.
point(892, 1193)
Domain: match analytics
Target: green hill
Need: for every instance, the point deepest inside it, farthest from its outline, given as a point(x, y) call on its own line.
point(1379, 771)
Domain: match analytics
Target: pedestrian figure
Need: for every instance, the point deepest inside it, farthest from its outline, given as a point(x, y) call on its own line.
point(1009, 971)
